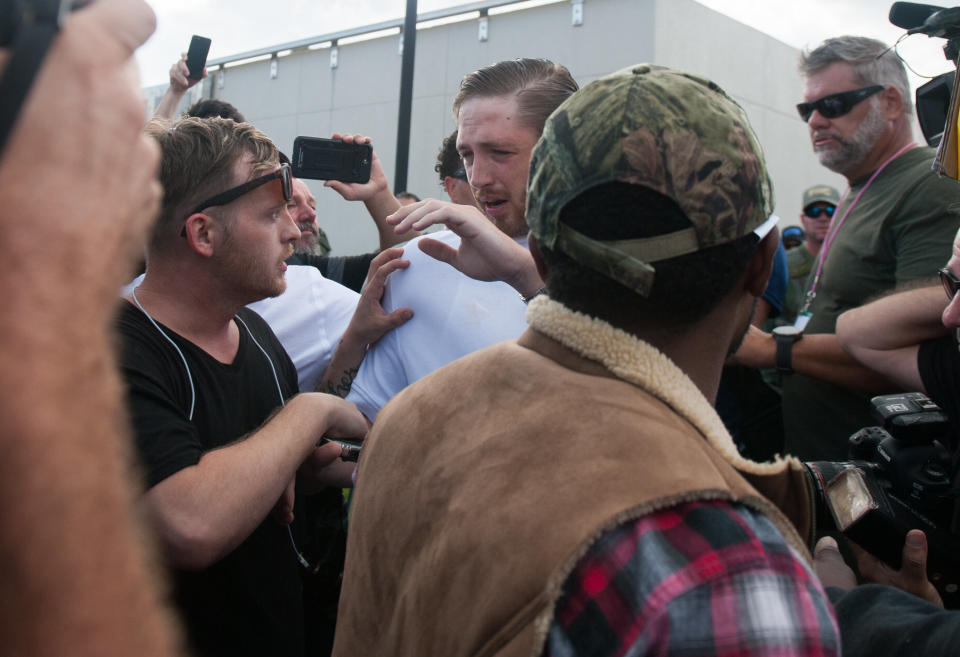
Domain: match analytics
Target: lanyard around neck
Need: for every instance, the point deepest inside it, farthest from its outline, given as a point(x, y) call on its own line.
point(835, 225)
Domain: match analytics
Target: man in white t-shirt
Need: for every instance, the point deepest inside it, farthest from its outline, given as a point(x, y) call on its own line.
point(500, 112)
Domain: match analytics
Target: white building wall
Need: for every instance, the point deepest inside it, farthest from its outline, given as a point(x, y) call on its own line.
point(362, 94)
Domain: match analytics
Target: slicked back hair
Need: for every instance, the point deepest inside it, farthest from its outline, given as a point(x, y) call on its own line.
point(540, 87)
point(197, 160)
point(873, 62)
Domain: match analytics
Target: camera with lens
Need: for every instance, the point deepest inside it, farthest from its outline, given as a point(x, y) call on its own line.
point(899, 477)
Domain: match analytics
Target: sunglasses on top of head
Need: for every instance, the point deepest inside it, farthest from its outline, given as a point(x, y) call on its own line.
point(286, 185)
point(834, 105)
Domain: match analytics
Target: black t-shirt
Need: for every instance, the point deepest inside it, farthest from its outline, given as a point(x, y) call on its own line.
point(248, 603)
point(939, 364)
point(349, 271)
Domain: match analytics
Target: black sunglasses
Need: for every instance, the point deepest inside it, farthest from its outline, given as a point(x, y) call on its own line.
point(816, 210)
point(232, 194)
point(834, 105)
point(950, 283)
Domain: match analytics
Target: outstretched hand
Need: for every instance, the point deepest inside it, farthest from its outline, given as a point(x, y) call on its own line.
point(370, 321)
point(485, 252)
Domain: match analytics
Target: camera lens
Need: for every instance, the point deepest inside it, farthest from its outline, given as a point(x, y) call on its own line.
point(934, 471)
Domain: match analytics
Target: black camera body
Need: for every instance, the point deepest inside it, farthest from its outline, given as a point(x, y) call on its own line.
point(899, 477)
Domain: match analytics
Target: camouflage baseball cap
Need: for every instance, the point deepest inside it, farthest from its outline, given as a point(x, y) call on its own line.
point(676, 133)
point(824, 193)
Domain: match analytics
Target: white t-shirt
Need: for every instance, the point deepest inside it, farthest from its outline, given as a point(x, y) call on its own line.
point(453, 315)
point(309, 318)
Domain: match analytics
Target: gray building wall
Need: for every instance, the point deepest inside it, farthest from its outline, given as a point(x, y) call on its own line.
point(361, 94)
point(761, 74)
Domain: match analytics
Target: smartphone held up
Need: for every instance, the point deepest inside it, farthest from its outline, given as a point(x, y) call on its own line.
point(331, 159)
point(197, 56)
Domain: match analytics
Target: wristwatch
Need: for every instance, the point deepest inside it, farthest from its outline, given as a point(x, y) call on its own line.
point(542, 290)
point(785, 337)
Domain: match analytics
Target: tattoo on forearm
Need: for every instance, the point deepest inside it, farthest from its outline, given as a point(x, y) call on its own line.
point(342, 387)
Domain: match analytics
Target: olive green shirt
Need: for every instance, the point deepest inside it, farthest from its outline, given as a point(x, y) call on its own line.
point(901, 230)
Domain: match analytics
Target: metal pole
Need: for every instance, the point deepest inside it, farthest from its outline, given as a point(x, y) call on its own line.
point(406, 97)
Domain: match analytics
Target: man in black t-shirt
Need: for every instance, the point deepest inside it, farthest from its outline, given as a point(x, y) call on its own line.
point(206, 378)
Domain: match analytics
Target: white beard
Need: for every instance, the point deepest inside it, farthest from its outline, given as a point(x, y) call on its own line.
point(848, 153)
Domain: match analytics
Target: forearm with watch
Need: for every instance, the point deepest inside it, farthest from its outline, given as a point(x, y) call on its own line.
point(785, 337)
point(820, 356)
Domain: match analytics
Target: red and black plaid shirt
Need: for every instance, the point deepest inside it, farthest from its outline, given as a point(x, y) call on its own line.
point(698, 579)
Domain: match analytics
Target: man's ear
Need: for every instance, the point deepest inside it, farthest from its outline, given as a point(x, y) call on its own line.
point(201, 233)
point(892, 103)
point(449, 182)
point(534, 246)
point(761, 264)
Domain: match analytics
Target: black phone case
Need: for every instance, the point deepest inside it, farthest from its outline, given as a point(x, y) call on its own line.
point(331, 159)
point(197, 56)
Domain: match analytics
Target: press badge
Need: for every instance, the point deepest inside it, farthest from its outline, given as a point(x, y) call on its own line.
point(802, 320)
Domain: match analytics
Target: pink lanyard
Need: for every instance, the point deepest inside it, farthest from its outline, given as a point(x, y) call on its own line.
point(832, 231)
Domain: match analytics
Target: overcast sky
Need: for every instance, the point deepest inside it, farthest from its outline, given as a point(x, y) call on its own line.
point(242, 25)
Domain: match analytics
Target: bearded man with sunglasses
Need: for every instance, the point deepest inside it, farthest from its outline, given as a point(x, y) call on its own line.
point(890, 227)
point(206, 381)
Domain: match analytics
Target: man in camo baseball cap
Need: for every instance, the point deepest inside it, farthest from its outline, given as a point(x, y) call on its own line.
point(675, 133)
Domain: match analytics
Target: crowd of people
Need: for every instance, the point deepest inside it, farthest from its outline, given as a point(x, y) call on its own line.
point(560, 454)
